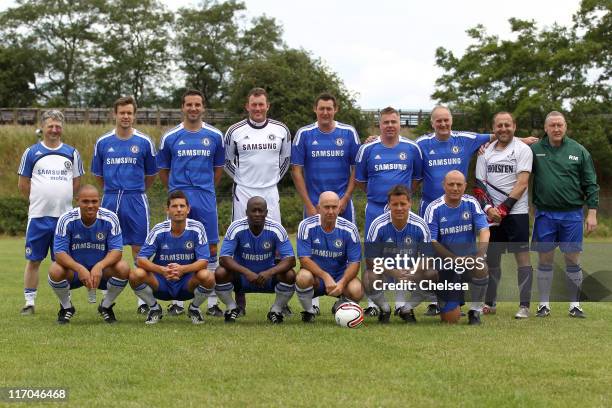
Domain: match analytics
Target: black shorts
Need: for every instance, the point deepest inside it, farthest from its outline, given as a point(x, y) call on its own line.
point(511, 235)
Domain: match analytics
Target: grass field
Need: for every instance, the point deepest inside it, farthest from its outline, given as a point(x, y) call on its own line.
point(556, 361)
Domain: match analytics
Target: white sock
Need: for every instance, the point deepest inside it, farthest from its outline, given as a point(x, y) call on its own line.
point(315, 301)
point(283, 295)
point(199, 295)
point(30, 296)
point(305, 297)
point(478, 289)
point(400, 299)
point(545, 278)
point(212, 299)
point(62, 291)
point(371, 303)
point(145, 293)
point(224, 291)
point(114, 287)
point(140, 301)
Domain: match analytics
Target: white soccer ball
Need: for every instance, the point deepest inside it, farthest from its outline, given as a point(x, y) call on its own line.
point(349, 315)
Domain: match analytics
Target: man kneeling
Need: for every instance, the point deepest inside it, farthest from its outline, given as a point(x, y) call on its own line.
point(330, 255)
point(172, 263)
point(248, 264)
point(88, 247)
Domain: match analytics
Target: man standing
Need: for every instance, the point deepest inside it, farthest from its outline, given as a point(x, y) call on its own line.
point(88, 246)
point(323, 159)
point(190, 159)
point(124, 165)
point(502, 178)
point(247, 261)
point(382, 164)
point(457, 224)
point(49, 174)
point(564, 181)
point(330, 254)
point(172, 263)
point(257, 153)
point(396, 232)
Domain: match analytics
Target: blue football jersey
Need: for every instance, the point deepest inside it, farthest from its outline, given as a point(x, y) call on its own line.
point(456, 228)
point(383, 239)
point(326, 158)
point(383, 167)
point(88, 245)
point(192, 157)
point(440, 157)
point(256, 253)
point(165, 248)
point(332, 251)
point(124, 163)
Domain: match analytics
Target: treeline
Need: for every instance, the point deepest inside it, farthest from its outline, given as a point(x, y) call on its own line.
point(79, 53)
point(534, 72)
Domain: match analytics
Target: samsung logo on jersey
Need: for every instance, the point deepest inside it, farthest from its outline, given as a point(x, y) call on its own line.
point(456, 229)
point(256, 257)
point(50, 172)
point(327, 254)
point(193, 152)
point(259, 146)
point(121, 160)
point(327, 153)
point(390, 166)
point(444, 162)
point(500, 168)
point(177, 257)
point(88, 245)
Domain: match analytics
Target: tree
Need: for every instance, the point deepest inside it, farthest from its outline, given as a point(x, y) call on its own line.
point(63, 31)
point(19, 66)
point(132, 58)
point(212, 41)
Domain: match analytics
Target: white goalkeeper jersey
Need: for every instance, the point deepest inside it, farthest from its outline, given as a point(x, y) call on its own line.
point(257, 156)
point(498, 170)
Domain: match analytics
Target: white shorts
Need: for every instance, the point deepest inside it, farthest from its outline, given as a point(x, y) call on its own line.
point(242, 194)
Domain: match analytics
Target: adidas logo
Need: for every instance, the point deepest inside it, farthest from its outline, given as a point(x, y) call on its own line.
point(165, 246)
point(390, 240)
point(38, 153)
point(247, 245)
point(377, 157)
point(110, 150)
point(443, 219)
point(77, 236)
point(181, 143)
point(315, 143)
point(316, 241)
point(432, 152)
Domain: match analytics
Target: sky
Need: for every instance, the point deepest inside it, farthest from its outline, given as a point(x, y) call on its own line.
point(384, 50)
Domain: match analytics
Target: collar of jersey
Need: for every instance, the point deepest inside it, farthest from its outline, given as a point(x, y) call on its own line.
point(257, 125)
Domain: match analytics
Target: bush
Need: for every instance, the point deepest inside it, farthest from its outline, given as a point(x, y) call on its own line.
point(13, 215)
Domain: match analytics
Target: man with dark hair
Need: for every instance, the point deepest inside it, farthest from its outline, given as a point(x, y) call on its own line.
point(172, 265)
point(247, 261)
point(124, 166)
point(49, 175)
point(564, 181)
point(191, 159)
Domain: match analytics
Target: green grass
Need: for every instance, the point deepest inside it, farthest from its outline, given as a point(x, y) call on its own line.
point(538, 362)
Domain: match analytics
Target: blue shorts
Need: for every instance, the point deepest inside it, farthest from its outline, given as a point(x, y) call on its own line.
point(39, 238)
point(242, 285)
point(320, 290)
point(75, 283)
point(204, 209)
point(557, 228)
point(173, 290)
point(348, 213)
point(372, 211)
point(132, 209)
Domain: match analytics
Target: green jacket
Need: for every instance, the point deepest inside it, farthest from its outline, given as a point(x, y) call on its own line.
point(564, 177)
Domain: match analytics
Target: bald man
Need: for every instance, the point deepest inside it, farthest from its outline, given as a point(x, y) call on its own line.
point(456, 222)
point(330, 254)
point(88, 246)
